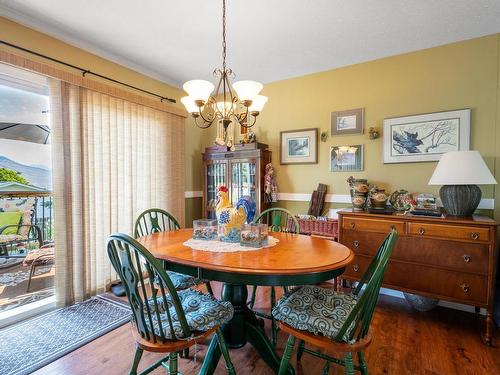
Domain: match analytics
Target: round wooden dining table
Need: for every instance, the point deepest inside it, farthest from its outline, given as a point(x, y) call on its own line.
point(295, 260)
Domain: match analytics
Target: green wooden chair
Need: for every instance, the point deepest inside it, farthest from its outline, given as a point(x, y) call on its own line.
point(164, 320)
point(279, 220)
point(157, 220)
point(334, 321)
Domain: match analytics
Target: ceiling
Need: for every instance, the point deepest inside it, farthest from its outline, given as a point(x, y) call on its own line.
point(268, 40)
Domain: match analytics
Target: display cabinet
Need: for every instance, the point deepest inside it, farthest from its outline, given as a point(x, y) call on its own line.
point(241, 171)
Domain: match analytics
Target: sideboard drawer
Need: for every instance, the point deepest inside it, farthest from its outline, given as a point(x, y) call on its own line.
point(452, 232)
point(463, 287)
point(365, 243)
point(370, 225)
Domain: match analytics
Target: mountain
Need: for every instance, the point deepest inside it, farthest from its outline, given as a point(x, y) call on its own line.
point(36, 176)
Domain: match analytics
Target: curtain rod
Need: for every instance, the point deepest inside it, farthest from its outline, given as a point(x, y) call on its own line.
point(86, 71)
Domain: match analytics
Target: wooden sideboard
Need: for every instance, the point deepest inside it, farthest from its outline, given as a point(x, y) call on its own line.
point(452, 258)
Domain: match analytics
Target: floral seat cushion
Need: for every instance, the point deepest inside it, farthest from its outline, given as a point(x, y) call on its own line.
point(317, 310)
point(7, 238)
point(202, 311)
point(40, 257)
point(182, 281)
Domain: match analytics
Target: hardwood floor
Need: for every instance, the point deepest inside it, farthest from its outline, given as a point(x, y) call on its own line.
point(441, 341)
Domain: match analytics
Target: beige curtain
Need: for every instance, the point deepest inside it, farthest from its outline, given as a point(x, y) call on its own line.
point(112, 159)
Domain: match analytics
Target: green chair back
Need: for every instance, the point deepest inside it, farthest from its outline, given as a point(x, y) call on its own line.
point(368, 289)
point(154, 220)
point(147, 286)
point(279, 220)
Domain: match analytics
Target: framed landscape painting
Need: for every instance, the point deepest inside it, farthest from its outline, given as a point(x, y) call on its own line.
point(347, 122)
point(348, 158)
point(425, 137)
point(299, 146)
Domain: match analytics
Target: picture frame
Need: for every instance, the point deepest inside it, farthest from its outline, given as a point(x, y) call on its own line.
point(299, 146)
point(425, 137)
point(347, 122)
point(346, 158)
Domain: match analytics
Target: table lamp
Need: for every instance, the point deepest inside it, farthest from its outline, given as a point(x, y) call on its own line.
point(460, 172)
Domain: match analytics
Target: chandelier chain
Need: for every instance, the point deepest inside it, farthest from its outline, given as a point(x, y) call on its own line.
point(224, 34)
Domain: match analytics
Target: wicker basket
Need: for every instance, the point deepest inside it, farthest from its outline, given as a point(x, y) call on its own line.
point(326, 228)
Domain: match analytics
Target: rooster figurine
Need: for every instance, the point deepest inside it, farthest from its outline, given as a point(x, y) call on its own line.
point(231, 219)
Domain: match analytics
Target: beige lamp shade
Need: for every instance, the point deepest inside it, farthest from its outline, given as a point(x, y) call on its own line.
point(462, 168)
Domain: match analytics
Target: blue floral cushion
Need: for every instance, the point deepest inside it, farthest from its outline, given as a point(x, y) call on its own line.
point(317, 310)
point(182, 281)
point(202, 311)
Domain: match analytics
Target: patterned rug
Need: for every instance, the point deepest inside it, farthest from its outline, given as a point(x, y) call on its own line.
point(16, 278)
point(30, 345)
point(9, 262)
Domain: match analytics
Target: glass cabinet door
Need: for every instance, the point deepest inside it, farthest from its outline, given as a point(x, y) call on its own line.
point(243, 180)
point(216, 176)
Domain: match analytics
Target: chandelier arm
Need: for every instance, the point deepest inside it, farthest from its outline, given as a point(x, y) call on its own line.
point(206, 123)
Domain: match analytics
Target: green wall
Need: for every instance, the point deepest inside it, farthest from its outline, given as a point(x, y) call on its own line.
point(453, 76)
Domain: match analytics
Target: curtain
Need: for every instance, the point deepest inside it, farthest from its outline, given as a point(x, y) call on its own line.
point(112, 159)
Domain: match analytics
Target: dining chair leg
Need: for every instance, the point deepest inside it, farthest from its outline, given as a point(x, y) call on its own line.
point(209, 288)
point(300, 350)
point(274, 328)
point(225, 353)
point(172, 364)
point(287, 355)
point(252, 298)
point(349, 366)
point(362, 364)
point(326, 368)
point(137, 359)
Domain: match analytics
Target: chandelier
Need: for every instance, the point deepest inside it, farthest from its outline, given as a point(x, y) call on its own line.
point(239, 102)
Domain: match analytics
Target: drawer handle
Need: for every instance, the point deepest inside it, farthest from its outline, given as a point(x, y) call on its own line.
point(474, 235)
point(465, 288)
point(467, 258)
point(421, 231)
point(356, 244)
point(353, 225)
point(355, 268)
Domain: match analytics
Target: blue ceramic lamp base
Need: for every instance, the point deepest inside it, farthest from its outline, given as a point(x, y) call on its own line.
point(460, 200)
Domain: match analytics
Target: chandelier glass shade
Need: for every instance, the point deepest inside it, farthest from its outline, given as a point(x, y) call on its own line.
point(239, 102)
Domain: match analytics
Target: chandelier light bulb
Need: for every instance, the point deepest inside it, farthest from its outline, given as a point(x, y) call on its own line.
point(247, 90)
point(199, 90)
point(258, 103)
point(190, 105)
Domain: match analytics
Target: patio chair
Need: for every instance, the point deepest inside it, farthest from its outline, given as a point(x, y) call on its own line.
point(164, 320)
point(279, 220)
point(334, 321)
point(44, 256)
point(23, 233)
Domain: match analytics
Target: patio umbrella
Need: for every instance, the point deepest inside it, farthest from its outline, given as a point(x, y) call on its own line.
point(25, 132)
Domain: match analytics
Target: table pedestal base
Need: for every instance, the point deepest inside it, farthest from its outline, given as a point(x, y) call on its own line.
point(244, 327)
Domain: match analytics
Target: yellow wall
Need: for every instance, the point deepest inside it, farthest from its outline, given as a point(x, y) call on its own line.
point(454, 76)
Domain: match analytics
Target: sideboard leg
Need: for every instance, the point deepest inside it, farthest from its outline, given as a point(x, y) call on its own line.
point(489, 329)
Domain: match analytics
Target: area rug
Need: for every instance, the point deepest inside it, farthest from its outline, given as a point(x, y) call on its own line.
point(30, 345)
point(16, 278)
point(9, 262)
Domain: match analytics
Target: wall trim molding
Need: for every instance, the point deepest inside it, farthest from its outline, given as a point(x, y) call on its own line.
point(193, 194)
point(485, 204)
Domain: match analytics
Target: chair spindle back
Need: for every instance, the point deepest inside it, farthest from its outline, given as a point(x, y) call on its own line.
point(279, 220)
point(149, 289)
point(154, 220)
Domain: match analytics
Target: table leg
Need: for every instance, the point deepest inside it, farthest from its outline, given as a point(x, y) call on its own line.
point(244, 326)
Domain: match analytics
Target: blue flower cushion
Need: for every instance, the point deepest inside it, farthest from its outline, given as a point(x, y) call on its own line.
point(182, 281)
point(202, 311)
point(317, 310)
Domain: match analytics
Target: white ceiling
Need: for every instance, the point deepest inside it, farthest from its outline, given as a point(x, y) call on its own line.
point(268, 40)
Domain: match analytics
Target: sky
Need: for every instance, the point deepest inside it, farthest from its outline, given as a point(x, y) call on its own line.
point(27, 153)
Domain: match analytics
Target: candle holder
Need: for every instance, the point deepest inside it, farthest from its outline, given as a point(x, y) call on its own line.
point(205, 229)
point(254, 235)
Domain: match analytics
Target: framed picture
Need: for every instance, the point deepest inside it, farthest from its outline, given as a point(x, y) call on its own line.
point(347, 122)
point(299, 146)
point(425, 137)
point(348, 158)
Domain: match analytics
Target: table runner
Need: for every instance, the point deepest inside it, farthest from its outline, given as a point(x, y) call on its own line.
point(225, 247)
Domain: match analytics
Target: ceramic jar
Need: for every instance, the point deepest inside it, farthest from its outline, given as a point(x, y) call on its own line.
point(359, 192)
point(378, 199)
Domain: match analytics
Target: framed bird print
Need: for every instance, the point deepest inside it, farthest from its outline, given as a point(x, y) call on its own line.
point(426, 137)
